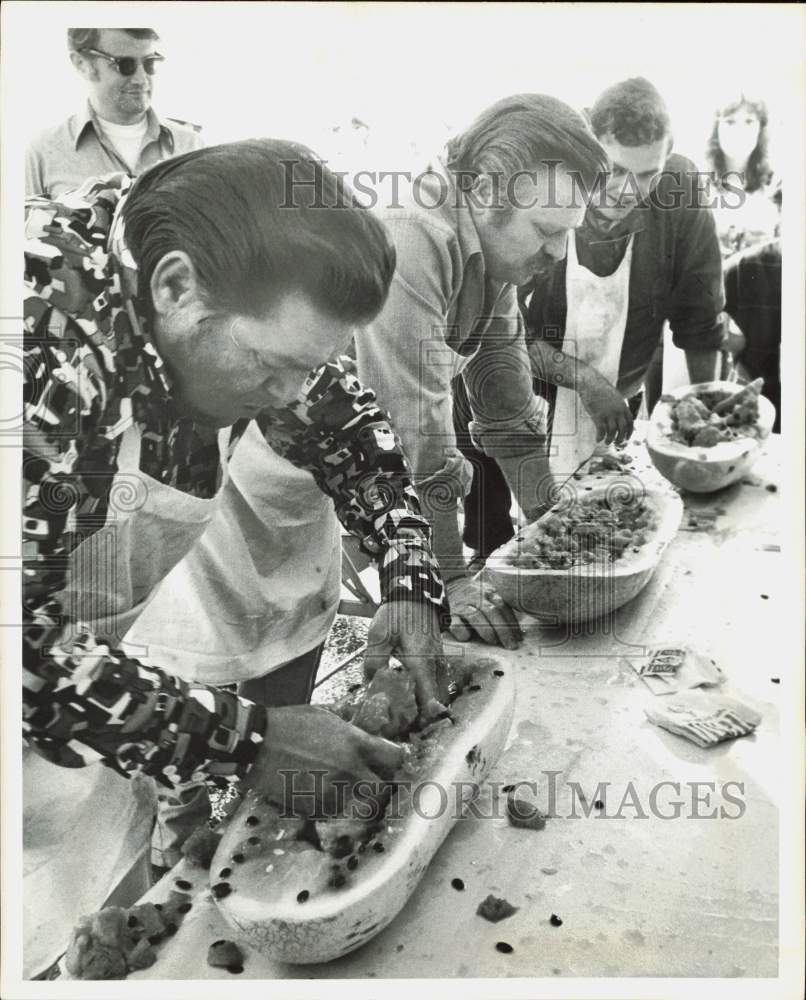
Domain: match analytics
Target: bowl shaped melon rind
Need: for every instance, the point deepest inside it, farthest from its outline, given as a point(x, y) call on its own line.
point(585, 592)
point(337, 922)
point(704, 470)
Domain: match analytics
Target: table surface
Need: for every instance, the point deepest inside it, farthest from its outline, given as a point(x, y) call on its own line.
point(638, 894)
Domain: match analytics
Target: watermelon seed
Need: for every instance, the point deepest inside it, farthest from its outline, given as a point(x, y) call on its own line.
point(378, 848)
point(352, 863)
point(182, 884)
point(225, 873)
point(302, 897)
point(221, 889)
point(555, 921)
point(238, 858)
point(252, 821)
point(474, 687)
point(253, 841)
point(498, 673)
point(458, 884)
point(185, 908)
point(339, 880)
point(508, 788)
point(505, 948)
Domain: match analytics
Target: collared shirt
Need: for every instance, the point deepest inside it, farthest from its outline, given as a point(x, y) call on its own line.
point(445, 317)
point(91, 370)
point(676, 275)
point(62, 158)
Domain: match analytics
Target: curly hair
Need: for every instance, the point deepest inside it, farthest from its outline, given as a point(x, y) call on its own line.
point(758, 171)
point(632, 112)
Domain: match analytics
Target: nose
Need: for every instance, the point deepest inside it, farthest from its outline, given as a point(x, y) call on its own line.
point(140, 76)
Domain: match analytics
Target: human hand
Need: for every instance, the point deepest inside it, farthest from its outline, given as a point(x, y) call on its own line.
point(606, 407)
point(410, 631)
point(311, 759)
point(476, 607)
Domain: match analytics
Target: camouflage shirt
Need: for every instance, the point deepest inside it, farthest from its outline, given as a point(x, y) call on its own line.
point(91, 370)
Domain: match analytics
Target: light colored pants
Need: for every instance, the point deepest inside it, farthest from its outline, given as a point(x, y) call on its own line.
point(181, 811)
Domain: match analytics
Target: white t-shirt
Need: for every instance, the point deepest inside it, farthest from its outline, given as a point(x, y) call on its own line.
point(127, 140)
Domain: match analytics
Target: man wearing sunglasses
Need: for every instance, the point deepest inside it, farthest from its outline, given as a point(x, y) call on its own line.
point(117, 130)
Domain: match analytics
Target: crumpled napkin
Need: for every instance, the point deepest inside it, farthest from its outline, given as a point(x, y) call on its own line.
point(704, 717)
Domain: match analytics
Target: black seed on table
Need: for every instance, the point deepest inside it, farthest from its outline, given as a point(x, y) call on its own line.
point(555, 921)
point(183, 884)
point(775, 680)
point(303, 896)
point(254, 841)
point(236, 970)
point(457, 884)
point(184, 908)
point(505, 948)
point(238, 858)
point(378, 848)
point(352, 863)
point(498, 673)
point(221, 889)
point(765, 597)
point(225, 873)
point(252, 821)
point(342, 847)
point(771, 488)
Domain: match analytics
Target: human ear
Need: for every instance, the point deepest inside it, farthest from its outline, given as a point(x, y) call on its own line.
point(84, 66)
point(174, 284)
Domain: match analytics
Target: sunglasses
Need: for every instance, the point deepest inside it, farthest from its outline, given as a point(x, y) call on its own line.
point(127, 65)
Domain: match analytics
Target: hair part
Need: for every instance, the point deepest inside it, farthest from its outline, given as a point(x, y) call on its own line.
point(758, 172)
point(632, 112)
point(88, 38)
point(522, 132)
point(258, 219)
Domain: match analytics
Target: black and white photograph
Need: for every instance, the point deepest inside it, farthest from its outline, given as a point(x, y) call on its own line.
point(402, 499)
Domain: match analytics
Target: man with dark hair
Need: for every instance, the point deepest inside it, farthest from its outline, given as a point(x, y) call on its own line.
point(646, 253)
point(117, 129)
point(163, 320)
point(497, 207)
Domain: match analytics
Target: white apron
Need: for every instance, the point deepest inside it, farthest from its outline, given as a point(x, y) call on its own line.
point(84, 828)
point(260, 587)
point(596, 319)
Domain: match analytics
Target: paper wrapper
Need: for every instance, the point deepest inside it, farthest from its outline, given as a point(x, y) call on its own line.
point(703, 717)
point(674, 667)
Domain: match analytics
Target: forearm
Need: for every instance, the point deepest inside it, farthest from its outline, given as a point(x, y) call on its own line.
point(702, 365)
point(530, 479)
point(552, 365)
point(84, 702)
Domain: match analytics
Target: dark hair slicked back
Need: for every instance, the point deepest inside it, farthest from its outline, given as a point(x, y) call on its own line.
point(632, 112)
point(87, 38)
point(259, 219)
